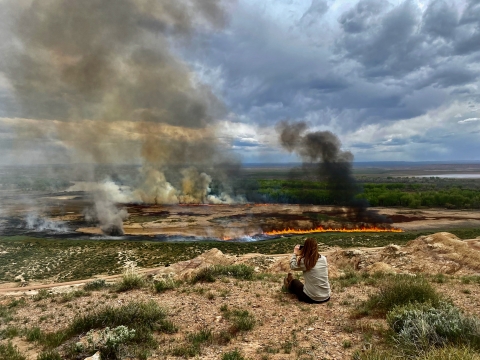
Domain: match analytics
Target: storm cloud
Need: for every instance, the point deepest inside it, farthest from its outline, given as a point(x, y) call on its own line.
point(367, 70)
point(353, 65)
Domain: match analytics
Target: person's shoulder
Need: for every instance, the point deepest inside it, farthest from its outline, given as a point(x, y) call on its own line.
point(322, 259)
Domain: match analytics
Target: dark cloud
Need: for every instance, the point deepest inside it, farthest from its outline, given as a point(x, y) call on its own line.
point(440, 19)
point(362, 16)
point(385, 63)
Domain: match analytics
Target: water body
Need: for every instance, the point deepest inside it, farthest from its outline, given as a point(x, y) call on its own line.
point(452, 176)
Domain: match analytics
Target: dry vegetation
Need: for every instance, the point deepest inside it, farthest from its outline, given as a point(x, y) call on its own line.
point(219, 306)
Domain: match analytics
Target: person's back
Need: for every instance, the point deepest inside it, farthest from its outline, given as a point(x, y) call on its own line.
point(316, 285)
point(315, 273)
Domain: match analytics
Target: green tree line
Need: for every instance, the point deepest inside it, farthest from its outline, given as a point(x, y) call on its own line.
point(376, 194)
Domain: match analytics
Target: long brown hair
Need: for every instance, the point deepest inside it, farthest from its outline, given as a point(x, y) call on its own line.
point(310, 253)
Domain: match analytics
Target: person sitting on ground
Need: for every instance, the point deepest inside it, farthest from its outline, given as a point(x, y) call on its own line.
point(315, 271)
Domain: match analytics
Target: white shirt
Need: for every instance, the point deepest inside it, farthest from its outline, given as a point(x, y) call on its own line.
point(316, 285)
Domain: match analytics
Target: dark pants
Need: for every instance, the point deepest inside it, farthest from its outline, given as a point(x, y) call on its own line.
point(296, 287)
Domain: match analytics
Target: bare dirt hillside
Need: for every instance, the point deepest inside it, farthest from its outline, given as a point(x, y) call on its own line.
point(284, 328)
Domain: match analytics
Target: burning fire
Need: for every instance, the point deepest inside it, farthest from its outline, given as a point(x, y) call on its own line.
point(321, 229)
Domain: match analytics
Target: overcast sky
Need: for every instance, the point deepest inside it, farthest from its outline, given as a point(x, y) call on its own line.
point(395, 80)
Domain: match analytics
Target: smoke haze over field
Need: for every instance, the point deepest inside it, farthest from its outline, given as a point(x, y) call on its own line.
point(104, 79)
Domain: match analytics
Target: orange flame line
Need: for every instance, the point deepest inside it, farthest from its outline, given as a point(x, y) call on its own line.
point(321, 229)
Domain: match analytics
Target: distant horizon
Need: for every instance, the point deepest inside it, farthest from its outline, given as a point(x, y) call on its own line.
point(277, 164)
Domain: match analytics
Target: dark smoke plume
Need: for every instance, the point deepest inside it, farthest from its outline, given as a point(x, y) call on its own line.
point(333, 164)
point(103, 78)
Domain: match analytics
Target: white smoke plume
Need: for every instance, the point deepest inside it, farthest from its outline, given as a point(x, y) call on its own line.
point(104, 80)
point(35, 222)
point(105, 211)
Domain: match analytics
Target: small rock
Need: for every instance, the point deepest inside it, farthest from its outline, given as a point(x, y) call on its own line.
point(95, 356)
point(310, 329)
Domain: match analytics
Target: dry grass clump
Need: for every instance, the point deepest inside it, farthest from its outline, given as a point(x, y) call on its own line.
point(49, 355)
point(398, 290)
point(10, 352)
point(164, 285)
point(130, 280)
point(233, 355)
point(452, 353)
point(95, 285)
point(210, 274)
point(141, 317)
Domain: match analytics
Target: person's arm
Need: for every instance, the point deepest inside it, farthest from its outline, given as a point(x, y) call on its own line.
point(294, 265)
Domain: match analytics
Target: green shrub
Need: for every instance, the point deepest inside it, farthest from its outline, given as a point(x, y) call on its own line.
point(6, 314)
point(130, 281)
point(439, 278)
point(139, 316)
point(349, 278)
point(9, 332)
point(10, 352)
point(397, 291)
point(470, 279)
point(133, 314)
point(72, 295)
point(418, 327)
point(42, 294)
point(163, 285)
point(33, 334)
point(209, 274)
point(241, 320)
point(203, 336)
point(49, 355)
point(16, 302)
point(233, 355)
point(167, 327)
point(94, 285)
point(194, 342)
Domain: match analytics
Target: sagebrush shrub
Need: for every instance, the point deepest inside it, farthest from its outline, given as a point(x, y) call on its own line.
point(108, 341)
point(419, 327)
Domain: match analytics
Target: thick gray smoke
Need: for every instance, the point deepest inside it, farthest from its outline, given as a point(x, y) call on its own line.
point(324, 148)
point(104, 78)
point(334, 165)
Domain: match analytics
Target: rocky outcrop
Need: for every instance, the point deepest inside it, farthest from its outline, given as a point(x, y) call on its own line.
point(433, 254)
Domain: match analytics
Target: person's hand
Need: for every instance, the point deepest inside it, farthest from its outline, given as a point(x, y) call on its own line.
point(296, 250)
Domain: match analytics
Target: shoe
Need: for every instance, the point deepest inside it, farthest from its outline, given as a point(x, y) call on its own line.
point(287, 281)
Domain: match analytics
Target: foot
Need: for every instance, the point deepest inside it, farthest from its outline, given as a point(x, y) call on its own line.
point(287, 281)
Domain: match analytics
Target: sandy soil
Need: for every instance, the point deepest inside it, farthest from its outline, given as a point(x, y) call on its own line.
point(325, 331)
